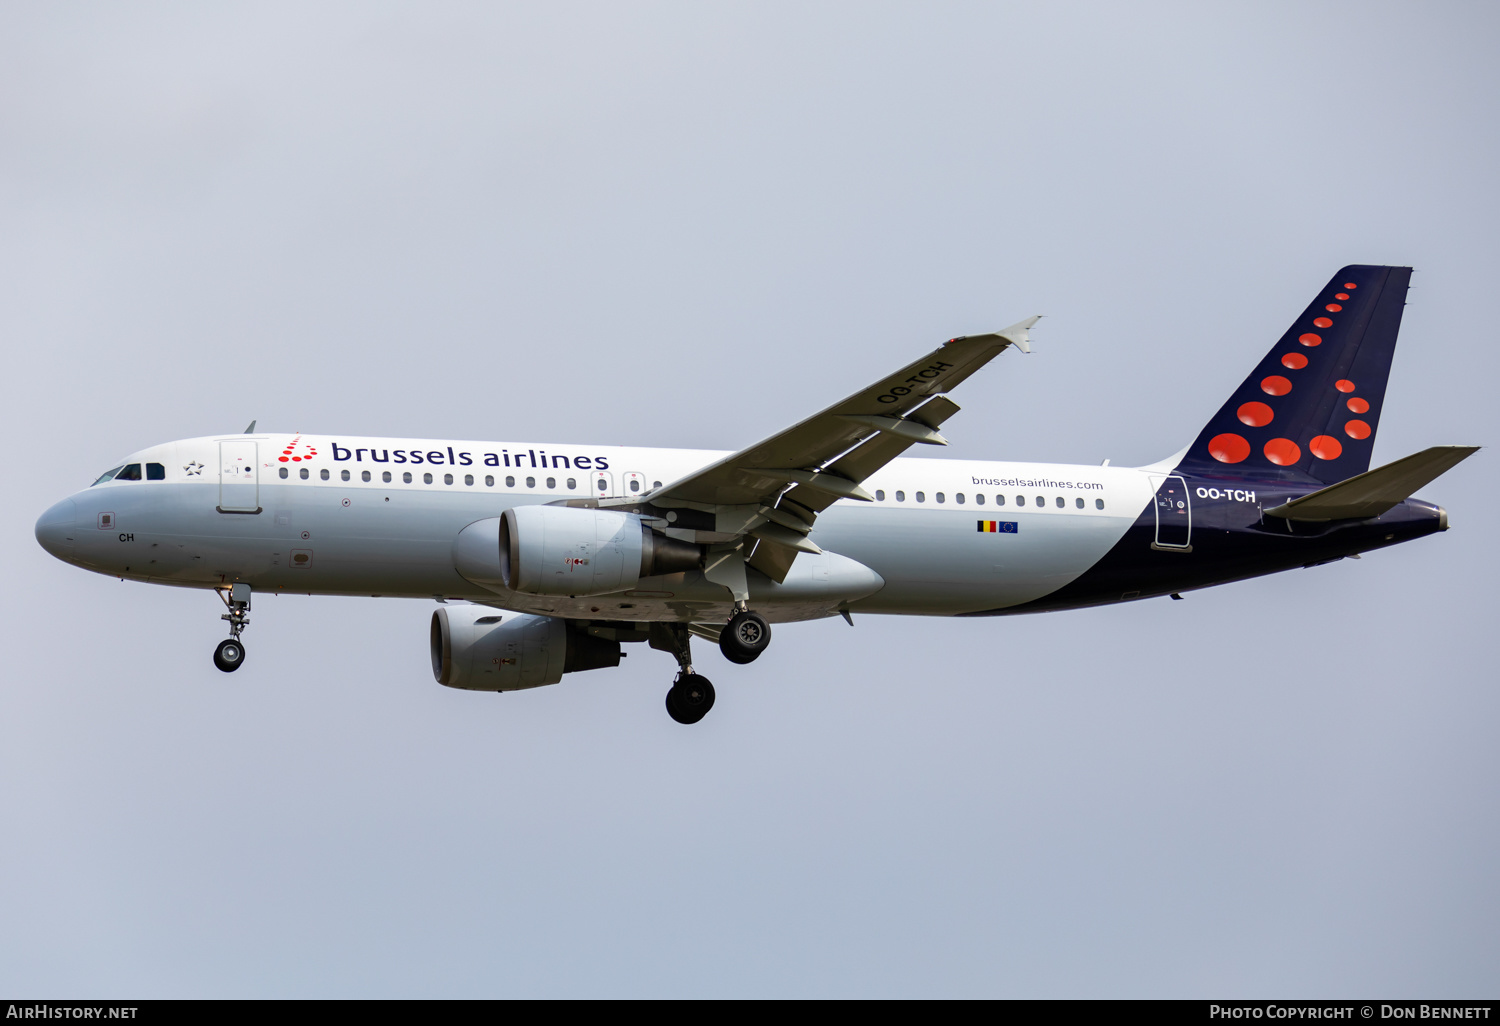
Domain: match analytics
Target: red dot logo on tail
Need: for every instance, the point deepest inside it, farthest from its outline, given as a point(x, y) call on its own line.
point(1255, 414)
point(1283, 451)
point(1296, 361)
point(1275, 385)
point(1228, 448)
point(1326, 447)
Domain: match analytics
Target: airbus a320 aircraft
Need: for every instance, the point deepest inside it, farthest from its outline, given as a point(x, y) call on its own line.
point(559, 554)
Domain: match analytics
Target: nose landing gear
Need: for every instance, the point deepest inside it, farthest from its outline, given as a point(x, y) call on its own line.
point(230, 655)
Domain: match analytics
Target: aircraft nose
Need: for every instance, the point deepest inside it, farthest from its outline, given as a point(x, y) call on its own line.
point(54, 529)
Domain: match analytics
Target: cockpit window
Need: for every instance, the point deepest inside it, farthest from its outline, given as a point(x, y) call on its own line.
point(107, 475)
point(129, 472)
point(156, 472)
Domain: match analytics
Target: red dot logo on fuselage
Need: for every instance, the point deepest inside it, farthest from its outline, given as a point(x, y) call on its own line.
point(290, 454)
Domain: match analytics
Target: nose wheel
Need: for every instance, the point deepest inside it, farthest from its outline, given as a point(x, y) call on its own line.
point(230, 655)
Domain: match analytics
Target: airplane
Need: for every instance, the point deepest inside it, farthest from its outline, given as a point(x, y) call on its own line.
point(546, 558)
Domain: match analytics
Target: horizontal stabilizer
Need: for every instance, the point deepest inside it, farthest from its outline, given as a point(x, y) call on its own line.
point(1375, 491)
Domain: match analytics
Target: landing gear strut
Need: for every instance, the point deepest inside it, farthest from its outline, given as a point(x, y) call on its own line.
point(691, 696)
point(230, 655)
point(745, 637)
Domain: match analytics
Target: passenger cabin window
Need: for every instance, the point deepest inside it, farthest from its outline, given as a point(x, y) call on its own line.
point(999, 500)
point(386, 477)
point(406, 477)
point(447, 479)
point(1078, 502)
point(343, 475)
point(941, 497)
point(107, 475)
point(1020, 500)
point(979, 500)
point(960, 498)
point(489, 480)
point(364, 475)
point(468, 479)
point(552, 483)
point(427, 479)
point(879, 495)
point(1041, 500)
point(156, 472)
point(654, 484)
point(129, 472)
point(635, 485)
point(921, 496)
point(323, 473)
point(283, 473)
point(900, 496)
point(1098, 503)
point(531, 482)
point(302, 473)
point(1061, 502)
point(510, 482)
point(572, 483)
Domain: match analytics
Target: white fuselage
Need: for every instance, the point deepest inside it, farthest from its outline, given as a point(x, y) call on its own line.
point(379, 516)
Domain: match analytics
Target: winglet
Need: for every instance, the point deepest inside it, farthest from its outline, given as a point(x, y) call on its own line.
point(251, 429)
point(1018, 333)
point(1015, 335)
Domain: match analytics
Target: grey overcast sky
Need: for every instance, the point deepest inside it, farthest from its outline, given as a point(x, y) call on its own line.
point(690, 225)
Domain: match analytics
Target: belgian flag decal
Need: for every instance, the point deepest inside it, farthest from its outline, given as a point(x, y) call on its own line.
point(997, 527)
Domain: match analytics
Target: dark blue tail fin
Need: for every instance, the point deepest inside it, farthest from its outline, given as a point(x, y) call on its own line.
point(1311, 408)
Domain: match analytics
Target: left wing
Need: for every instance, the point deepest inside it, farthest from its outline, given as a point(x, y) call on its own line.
point(774, 490)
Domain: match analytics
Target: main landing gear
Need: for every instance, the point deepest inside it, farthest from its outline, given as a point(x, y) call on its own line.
point(742, 640)
point(691, 695)
point(745, 637)
point(230, 655)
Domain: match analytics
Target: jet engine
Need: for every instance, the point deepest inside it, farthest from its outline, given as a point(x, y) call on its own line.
point(482, 649)
point(564, 550)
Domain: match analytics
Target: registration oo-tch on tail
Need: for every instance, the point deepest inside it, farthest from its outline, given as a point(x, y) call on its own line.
point(549, 557)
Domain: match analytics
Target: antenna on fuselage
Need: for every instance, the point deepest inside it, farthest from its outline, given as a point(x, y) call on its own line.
point(251, 429)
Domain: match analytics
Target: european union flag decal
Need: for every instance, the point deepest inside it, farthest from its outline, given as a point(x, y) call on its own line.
point(997, 527)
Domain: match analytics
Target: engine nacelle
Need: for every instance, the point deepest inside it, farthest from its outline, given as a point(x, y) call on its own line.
point(565, 550)
point(482, 649)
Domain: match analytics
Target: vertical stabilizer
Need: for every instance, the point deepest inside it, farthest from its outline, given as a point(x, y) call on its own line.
point(1311, 407)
